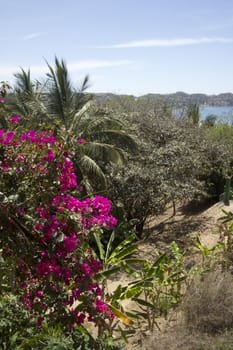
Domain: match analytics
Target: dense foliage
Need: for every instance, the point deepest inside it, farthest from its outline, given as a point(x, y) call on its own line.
point(48, 227)
point(59, 242)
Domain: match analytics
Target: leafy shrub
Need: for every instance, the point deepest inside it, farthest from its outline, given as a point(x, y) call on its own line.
point(45, 254)
point(18, 330)
point(15, 323)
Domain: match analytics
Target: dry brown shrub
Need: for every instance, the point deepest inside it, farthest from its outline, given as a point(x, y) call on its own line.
point(207, 317)
point(208, 304)
point(180, 339)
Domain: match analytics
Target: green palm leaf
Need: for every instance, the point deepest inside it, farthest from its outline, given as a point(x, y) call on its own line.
point(64, 101)
point(89, 167)
point(104, 152)
point(58, 105)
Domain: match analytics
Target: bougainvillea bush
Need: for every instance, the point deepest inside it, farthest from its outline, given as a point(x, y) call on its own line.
point(45, 228)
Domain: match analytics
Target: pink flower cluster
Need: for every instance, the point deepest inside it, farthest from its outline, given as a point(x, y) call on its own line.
point(102, 308)
point(63, 268)
point(80, 141)
point(93, 211)
point(38, 137)
point(7, 138)
point(50, 155)
point(15, 119)
point(68, 179)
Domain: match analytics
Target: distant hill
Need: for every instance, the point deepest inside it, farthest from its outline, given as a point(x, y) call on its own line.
point(177, 99)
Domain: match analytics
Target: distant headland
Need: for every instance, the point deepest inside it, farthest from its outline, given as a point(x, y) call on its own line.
point(178, 99)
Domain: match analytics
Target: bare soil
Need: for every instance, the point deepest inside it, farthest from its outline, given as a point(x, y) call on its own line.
point(189, 221)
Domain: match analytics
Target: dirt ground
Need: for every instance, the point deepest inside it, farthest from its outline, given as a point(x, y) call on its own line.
point(189, 221)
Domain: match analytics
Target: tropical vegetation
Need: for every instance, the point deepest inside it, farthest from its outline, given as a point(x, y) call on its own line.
point(79, 182)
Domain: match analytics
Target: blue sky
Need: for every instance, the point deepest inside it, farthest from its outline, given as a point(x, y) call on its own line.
point(125, 46)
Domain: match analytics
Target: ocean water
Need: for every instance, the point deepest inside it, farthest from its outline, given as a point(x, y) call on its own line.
point(224, 113)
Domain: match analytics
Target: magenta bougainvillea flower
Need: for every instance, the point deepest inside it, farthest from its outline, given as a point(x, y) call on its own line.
point(63, 263)
point(80, 141)
point(15, 119)
point(50, 155)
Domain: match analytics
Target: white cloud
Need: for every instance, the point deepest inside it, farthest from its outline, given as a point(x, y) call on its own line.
point(92, 64)
point(168, 42)
point(32, 36)
point(7, 71)
point(29, 36)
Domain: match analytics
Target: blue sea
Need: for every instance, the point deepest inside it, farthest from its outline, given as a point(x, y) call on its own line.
point(224, 113)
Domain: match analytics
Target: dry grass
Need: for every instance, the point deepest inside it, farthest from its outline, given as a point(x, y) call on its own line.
point(181, 339)
point(208, 305)
point(207, 317)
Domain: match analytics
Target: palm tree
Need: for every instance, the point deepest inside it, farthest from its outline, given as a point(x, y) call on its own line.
point(28, 101)
point(105, 138)
point(106, 142)
point(56, 102)
point(63, 100)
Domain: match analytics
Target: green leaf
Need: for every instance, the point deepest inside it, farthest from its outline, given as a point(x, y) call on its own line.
point(131, 292)
point(109, 245)
point(145, 303)
point(108, 273)
point(78, 116)
point(100, 245)
point(175, 277)
point(116, 295)
point(83, 330)
point(116, 258)
point(162, 260)
point(127, 268)
point(147, 282)
point(123, 244)
point(204, 250)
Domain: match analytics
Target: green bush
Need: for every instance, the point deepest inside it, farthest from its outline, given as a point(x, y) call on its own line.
point(19, 331)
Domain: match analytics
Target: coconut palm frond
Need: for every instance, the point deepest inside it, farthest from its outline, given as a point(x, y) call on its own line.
point(58, 105)
point(23, 82)
point(78, 116)
point(27, 101)
point(39, 114)
point(59, 89)
point(118, 138)
point(89, 167)
point(88, 186)
point(105, 152)
point(94, 123)
point(64, 100)
point(85, 84)
point(80, 97)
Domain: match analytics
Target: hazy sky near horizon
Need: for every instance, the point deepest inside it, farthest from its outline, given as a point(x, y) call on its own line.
point(125, 46)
